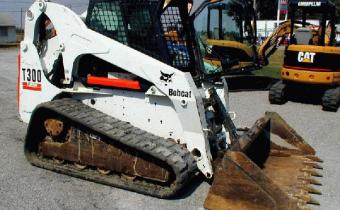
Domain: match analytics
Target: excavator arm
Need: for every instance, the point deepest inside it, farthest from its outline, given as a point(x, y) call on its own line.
point(269, 46)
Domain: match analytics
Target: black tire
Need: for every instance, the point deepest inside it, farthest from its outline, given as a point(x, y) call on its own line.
point(331, 100)
point(278, 93)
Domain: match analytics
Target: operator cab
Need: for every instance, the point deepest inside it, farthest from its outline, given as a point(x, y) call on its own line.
point(228, 29)
point(322, 34)
point(230, 21)
point(161, 29)
point(158, 28)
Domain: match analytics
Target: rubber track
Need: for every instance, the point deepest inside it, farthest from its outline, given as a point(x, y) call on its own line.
point(331, 99)
point(176, 156)
point(275, 93)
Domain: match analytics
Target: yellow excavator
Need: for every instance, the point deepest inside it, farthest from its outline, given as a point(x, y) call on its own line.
point(230, 48)
point(225, 28)
point(310, 63)
point(228, 30)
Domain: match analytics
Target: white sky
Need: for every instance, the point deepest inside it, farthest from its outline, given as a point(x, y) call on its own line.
point(13, 7)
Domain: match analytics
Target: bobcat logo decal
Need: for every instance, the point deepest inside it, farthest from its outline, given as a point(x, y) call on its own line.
point(166, 77)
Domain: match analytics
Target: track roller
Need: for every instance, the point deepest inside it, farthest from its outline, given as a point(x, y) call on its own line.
point(331, 99)
point(277, 93)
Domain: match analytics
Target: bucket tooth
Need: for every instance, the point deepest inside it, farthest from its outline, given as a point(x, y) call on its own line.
point(305, 186)
point(317, 166)
point(303, 206)
point(311, 180)
point(312, 190)
point(315, 182)
point(312, 172)
point(314, 158)
point(307, 198)
point(316, 174)
point(313, 164)
point(313, 201)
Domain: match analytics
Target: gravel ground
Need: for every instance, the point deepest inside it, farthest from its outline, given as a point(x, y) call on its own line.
point(23, 186)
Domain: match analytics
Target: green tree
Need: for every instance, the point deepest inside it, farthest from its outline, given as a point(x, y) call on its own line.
point(337, 4)
point(266, 9)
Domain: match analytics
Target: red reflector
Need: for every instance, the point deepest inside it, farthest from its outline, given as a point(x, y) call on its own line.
point(117, 83)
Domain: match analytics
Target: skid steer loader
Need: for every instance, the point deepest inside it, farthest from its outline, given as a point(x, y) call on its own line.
point(110, 100)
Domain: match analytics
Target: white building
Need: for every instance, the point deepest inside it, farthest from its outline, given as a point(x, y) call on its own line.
point(7, 29)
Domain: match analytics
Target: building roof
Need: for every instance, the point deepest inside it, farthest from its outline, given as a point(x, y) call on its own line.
point(6, 20)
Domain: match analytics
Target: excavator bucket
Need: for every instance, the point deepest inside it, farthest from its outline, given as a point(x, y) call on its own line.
point(270, 167)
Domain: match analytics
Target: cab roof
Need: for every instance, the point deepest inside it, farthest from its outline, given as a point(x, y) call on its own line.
point(312, 4)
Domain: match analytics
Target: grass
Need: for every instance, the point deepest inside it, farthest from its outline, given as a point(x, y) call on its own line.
point(274, 67)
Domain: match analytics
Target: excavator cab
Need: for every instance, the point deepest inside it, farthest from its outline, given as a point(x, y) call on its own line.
point(228, 28)
point(309, 58)
point(322, 34)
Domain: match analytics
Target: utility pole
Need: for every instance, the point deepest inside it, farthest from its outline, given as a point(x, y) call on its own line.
point(286, 16)
point(278, 12)
point(254, 21)
point(21, 10)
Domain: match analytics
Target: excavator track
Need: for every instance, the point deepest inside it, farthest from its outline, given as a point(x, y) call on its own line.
point(331, 99)
point(277, 93)
point(72, 138)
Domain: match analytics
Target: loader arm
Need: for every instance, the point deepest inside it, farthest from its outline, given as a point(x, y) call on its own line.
point(270, 44)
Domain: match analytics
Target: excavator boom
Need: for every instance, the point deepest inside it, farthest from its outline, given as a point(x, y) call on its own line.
point(273, 41)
